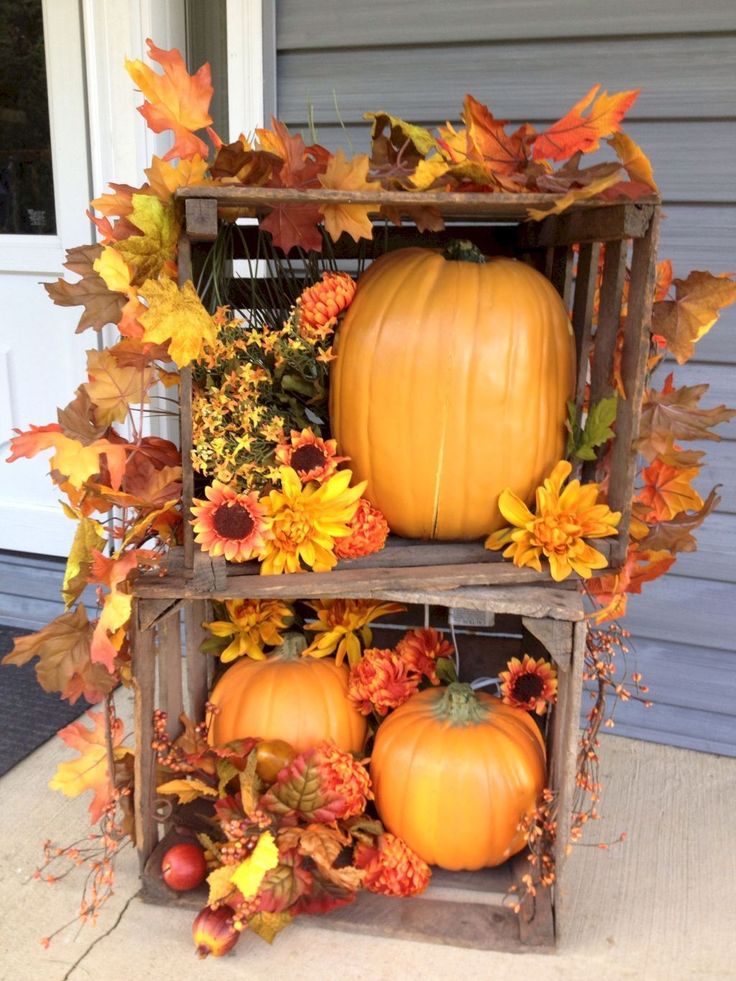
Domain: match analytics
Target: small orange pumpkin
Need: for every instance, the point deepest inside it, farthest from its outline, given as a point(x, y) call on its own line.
point(454, 772)
point(300, 700)
point(450, 384)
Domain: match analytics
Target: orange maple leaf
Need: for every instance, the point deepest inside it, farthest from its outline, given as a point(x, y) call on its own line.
point(113, 388)
point(348, 175)
point(114, 573)
point(175, 100)
point(502, 152)
point(74, 461)
point(165, 178)
point(576, 132)
point(90, 770)
point(119, 203)
point(667, 490)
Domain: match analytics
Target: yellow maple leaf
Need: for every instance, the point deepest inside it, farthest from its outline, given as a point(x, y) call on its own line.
point(89, 771)
point(220, 885)
point(248, 875)
point(348, 175)
point(154, 250)
point(165, 178)
point(177, 316)
point(187, 790)
point(428, 171)
point(113, 389)
point(635, 161)
point(88, 537)
point(113, 269)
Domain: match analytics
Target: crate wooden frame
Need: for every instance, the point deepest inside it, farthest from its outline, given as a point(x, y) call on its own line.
point(463, 909)
point(494, 222)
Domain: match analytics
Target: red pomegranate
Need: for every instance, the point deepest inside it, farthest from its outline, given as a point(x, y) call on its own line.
point(213, 931)
point(184, 867)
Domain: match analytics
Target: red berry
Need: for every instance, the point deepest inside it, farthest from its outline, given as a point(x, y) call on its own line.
point(184, 867)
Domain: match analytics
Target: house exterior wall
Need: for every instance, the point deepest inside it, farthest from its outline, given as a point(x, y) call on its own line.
point(531, 60)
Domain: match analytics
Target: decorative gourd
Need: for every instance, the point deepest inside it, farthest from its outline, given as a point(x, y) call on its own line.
point(454, 772)
point(450, 384)
point(301, 700)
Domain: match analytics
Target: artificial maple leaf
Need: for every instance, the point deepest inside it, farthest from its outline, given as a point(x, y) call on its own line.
point(504, 153)
point(80, 259)
point(571, 175)
point(77, 420)
point(149, 486)
point(268, 925)
point(663, 280)
point(113, 269)
point(114, 389)
point(649, 564)
point(114, 573)
point(119, 203)
point(399, 132)
point(187, 790)
point(578, 132)
point(667, 490)
point(323, 844)
point(88, 538)
point(63, 651)
point(89, 771)
point(176, 315)
point(101, 305)
point(430, 173)
point(151, 250)
point(395, 154)
point(175, 100)
point(238, 162)
point(574, 195)
point(634, 160)
point(348, 175)
point(294, 226)
point(164, 178)
point(75, 462)
point(674, 414)
point(676, 535)
point(698, 302)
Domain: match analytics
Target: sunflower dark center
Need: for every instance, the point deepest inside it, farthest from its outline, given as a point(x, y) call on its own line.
point(307, 457)
point(232, 521)
point(528, 686)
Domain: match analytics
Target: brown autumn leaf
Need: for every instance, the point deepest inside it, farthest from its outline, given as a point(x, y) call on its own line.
point(236, 162)
point(571, 175)
point(114, 389)
point(676, 534)
point(427, 218)
point(324, 844)
point(101, 305)
point(77, 419)
point(64, 663)
point(674, 414)
point(698, 302)
point(81, 259)
point(574, 195)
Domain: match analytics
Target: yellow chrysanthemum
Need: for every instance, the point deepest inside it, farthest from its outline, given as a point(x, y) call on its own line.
point(305, 520)
point(252, 624)
point(563, 519)
point(342, 625)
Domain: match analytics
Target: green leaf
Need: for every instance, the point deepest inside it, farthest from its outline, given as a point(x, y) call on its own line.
point(597, 430)
point(446, 671)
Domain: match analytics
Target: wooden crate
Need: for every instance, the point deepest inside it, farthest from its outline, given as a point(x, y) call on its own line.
point(465, 909)
point(566, 248)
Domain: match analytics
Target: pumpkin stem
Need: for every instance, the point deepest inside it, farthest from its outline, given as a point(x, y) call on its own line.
point(463, 250)
point(292, 648)
point(460, 705)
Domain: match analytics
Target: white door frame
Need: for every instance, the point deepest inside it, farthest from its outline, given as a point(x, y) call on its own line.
point(245, 66)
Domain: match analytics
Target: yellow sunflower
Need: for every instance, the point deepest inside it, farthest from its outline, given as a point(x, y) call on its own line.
point(305, 520)
point(343, 624)
point(229, 524)
point(252, 624)
point(563, 519)
point(529, 684)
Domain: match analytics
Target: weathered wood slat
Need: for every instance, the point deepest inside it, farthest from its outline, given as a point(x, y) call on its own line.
point(170, 667)
point(143, 671)
point(561, 272)
point(201, 219)
point(609, 320)
point(196, 612)
point(582, 314)
point(185, 415)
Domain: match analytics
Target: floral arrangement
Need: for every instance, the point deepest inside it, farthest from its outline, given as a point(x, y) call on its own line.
point(278, 489)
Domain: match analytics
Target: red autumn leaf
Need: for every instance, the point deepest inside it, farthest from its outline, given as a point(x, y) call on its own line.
point(175, 100)
point(502, 152)
point(283, 886)
point(698, 302)
point(576, 132)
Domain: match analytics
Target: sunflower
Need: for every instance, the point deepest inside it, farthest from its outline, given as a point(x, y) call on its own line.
point(563, 519)
point(342, 625)
point(252, 624)
point(305, 520)
point(312, 457)
point(230, 524)
point(529, 684)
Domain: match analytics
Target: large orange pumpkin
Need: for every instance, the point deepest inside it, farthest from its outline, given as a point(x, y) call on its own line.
point(301, 700)
point(454, 772)
point(450, 384)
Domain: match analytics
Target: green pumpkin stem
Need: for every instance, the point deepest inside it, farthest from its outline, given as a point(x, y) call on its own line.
point(463, 250)
point(292, 648)
point(460, 706)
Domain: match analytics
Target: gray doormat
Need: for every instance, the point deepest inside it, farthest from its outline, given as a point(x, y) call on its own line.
point(28, 715)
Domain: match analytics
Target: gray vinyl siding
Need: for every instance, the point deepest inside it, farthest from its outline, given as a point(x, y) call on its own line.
point(531, 60)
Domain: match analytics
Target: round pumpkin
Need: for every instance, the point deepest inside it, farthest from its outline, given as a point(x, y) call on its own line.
point(300, 700)
point(454, 772)
point(450, 384)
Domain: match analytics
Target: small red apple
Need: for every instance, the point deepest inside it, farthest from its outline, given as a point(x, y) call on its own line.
point(184, 867)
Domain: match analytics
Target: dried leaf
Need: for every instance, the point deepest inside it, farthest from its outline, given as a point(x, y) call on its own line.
point(175, 100)
point(245, 165)
point(676, 535)
point(324, 845)
point(187, 790)
point(348, 175)
point(698, 302)
point(114, 389)
point(576, 132)
point(77, 420)
point(177, 316)
point(101, 305)
point(674, 414)
point(89, 771)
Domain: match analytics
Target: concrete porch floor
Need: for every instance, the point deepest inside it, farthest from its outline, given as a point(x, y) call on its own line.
point(660, 906)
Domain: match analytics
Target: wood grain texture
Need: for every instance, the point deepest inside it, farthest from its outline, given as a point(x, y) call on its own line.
point(582, 313)
point(143, 673)
point(353, 23)
point(196, 613)
point(170, 668)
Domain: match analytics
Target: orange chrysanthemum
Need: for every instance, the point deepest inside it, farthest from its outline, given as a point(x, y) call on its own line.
point(529, 684)
point(312, 457)
point(340, 774)
point(421, 648)
point(392, 868)
point(558, 529)
point(368, 533)
point(230, 524)
point(380, 681)
point(320, 305)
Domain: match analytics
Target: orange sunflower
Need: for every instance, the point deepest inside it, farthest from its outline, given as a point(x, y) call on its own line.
point(230, 524)
point(558, 529)
point(368, 533)
point(529, 684)
point(320, 305)
point(312, 457)
point(304, 521)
